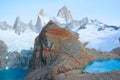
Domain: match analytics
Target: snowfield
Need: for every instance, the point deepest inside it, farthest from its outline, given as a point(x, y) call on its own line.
point(17, 42)
point(104, 40)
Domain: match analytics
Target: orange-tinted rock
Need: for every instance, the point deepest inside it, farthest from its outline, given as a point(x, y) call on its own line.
point(56, 51)
point(62, 33)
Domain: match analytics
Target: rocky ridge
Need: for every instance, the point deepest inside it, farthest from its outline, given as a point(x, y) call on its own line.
point(3, 53)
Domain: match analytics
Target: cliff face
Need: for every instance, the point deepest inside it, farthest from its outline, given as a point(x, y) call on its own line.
point(56, 51)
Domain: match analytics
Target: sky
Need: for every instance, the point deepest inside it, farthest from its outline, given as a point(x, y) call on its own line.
point(106, 11)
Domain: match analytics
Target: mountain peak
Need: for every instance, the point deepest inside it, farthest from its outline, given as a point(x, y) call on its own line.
point(17, 21)
point(65, 14)
point(42, 12)
point(19, 26)
point(38, 25)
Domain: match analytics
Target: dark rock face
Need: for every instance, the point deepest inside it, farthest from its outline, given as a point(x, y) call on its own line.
point(19, 59)
point(3, 53)
point(14, 60)
point(56, 51)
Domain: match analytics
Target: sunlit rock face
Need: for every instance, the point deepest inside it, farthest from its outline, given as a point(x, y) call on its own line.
point(56, 50)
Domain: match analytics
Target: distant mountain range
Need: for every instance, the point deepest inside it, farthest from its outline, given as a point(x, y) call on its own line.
point(64, 18)
point(100, 36)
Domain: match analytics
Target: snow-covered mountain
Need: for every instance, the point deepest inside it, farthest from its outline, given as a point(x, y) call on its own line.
point(100, 36)
point(76, 25)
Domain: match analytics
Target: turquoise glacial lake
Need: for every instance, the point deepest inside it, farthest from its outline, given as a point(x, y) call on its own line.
point(13, 74)
point(103, 65)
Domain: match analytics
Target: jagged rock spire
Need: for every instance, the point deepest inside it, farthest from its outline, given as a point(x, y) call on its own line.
point(65, 14)
point(17, 21)
point(38, 25)
point(19, 26)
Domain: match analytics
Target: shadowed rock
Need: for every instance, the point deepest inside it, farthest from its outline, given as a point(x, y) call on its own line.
point(3, 53)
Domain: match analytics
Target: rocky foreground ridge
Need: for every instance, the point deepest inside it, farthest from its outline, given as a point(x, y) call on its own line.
point(56, 51)
point(59, 55)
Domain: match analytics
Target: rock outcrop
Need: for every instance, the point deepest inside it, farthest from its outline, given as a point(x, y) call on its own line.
point(19, 60)
point(65, 14)
point(13, 59)
point(56, 51)
point(3, 53)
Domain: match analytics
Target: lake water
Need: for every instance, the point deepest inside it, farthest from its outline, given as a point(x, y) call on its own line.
point(103, 65)
point(13, 74)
